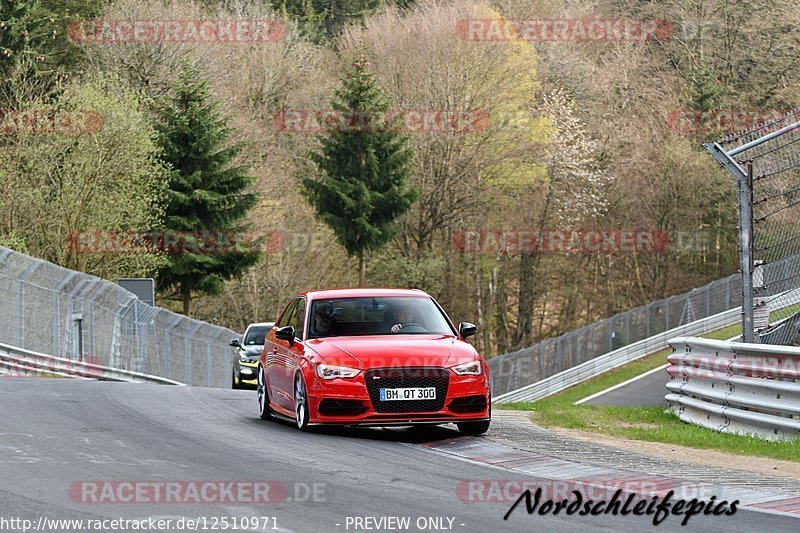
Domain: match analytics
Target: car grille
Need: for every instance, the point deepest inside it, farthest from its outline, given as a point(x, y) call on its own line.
point(392, 378)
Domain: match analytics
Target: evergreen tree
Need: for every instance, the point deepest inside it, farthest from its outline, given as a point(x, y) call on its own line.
point(36, 49)
point(205, 188)
point(324, 19)
point(363, 186)
point(25, 30)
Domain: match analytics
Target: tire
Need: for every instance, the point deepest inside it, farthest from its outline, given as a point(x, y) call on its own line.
point(474, 428)
point(300, 403)
point(263, 396)
point(234, 385)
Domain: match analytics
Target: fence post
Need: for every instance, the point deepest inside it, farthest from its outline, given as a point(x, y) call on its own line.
point(57, 311)
point(168, 345)
point(21, 303)
point(187, 352)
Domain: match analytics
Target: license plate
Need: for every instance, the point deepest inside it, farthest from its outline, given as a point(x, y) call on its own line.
point(409, 393)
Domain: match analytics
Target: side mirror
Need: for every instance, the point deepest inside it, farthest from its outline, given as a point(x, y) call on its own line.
point(465, 329)
point(286, 333)
point(235, 343)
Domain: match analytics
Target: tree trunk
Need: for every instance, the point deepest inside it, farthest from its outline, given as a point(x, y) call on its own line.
point(501, 305)
point(523, 334)
point(187, 300)
point(362, 269)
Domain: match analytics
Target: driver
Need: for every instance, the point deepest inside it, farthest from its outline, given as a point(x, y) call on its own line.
point(403, 316)
point(323, 319)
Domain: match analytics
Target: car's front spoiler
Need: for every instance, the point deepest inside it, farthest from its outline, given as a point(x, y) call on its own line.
point(411, 422)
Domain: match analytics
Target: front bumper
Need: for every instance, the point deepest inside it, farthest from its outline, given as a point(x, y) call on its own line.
point(247, 373)
point(349, 402)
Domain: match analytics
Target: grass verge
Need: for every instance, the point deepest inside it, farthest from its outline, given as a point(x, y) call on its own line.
point(652, 424)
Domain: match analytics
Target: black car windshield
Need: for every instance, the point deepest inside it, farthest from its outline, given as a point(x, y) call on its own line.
point(394, 315)
point(255, 336)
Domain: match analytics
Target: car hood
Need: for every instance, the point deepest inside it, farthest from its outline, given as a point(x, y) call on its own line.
point(395, 350)
point(251, 351)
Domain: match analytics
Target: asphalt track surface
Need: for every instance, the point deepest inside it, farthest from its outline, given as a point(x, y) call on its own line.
point(57, 432)
point(648, 390)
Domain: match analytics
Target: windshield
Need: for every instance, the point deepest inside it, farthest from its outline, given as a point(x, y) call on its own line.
point(397, 315)
point(255, 336)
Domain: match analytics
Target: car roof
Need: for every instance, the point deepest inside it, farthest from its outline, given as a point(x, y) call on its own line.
point(264, 324)
point(364, 293)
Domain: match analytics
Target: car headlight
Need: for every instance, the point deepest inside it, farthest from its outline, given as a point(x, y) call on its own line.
point(244, 359)
point(334, 372)
point(473, 368)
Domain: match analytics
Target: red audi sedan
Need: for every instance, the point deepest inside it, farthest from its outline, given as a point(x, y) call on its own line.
point(372, 357)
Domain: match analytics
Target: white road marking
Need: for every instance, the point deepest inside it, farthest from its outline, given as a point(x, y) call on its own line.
point(615, 387)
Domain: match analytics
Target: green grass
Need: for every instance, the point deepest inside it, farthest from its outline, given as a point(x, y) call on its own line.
point(652, 424)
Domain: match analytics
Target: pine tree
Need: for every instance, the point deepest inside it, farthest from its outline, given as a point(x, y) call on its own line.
point(205, 188)
point(25, 30)
point(36, 49)
point(324, 19)
point(364, 172)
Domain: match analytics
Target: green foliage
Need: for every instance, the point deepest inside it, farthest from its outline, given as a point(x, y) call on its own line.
point(323, 19)
point(706, 92)
point(26, 29)
point(393, 270)
point(206, 189)
point(103, 177)
point(35, 45)
point(364, 173)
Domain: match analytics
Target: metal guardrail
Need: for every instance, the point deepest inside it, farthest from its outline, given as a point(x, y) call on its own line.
point(514, 370)
point(18, 362)
point(632, 352)
point(731, 387)
point(604, 363)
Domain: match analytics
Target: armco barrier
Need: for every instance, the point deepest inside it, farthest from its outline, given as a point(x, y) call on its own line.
point(604, 363)
point(732, 387)
point(514, 370)
point(632, 352)
point(25, 363)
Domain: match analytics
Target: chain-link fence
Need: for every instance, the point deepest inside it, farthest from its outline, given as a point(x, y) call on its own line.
point(765, 161)
point(516, 369)
point(53, 310)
